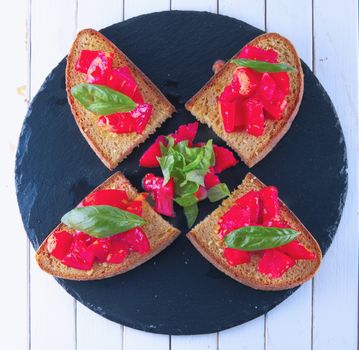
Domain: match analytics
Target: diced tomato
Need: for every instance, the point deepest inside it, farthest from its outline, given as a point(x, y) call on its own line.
point(224, 159)
point(59, 243)
point(228, 94)
point(276, 106)
point(276, 222)
point(266, 87)
point(201, 193)
point(275, 263)
point(78, 256)
point(164, 199)
point(296, 251)
point(99, 68)
point(256, 53)
point(268, 197)
point(100, 248)
point(121, 79)
point(136, 240)
point(282, 81)
point(231, 114)
point(250, 200)
point(152, 183)
point(254, 117)
point(118, 252)
point(236, 257)
point(186, 132)
point(85, 59)
point(119, 123)
point(234, 218)
point(245, 81)
point(84, 237)
point(210, 179)
point(141, 114)
point(135, 206)
point(149, 158)
point(114, 198)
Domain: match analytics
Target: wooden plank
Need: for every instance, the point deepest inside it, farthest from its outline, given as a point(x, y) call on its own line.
point(289, 325)
point(92, 329)
point(52, 309)
point(198, 5)
point(134, 339)
point(249, 336)
point(335, 318)
point(14, 306)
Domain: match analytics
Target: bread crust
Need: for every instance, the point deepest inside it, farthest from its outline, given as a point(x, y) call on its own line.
point(247, 273)
point(164, 109)
point(159, 232)
point(275, 129)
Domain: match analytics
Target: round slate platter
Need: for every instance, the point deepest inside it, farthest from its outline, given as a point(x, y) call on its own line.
point(178, 291)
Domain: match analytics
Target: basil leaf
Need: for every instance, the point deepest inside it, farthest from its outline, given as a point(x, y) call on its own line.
point(251, 238)
point(218, 192)
point(196, 176)
point(191, 213)
point(186, 200)
point(166, 164)
point(261, 66)
point(102, 100)
point(101, 220)
point(185, 187)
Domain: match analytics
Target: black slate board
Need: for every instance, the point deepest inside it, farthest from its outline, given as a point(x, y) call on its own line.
point(178, 292)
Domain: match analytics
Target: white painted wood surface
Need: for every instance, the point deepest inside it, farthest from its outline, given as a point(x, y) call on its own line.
point(37, 314)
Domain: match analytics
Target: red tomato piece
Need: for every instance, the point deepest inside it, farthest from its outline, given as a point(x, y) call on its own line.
point(84, 237)
point(234, 218)
point(149, 158)
point(164, 199)
point(141, 115)
point(118, 252)
point(245, 81)
point(152, 183)
point(201, 193)
point(250, 200)
point(121, 80)
point(100, 248)
point(119, 123)
point(99, 68)
point(210, 179)
point(136, 240)
point(236, 257)
point(276, 222)
point(114, 198)
point(254, 117)
point(186, 132)
point(78, 256)
point(228, 94)
point(59, 243)
point(266, 87)
point(276, 106)
point(231, 114)
point(256, 53)
point(270, 204)
point(135, 206)
point(85, 59)
point(297, 251)
point(275, 263)
point(282, 81)
point(224, 159)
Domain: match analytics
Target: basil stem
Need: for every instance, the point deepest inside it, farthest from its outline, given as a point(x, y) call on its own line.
point(261, 66)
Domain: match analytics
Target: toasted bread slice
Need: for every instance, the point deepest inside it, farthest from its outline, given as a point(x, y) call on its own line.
point(159, 232)
point(249, 148)
point(205, 238)
point(111, 148)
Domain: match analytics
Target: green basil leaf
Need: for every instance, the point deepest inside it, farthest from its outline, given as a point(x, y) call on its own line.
point(251, 238)
point(196, 176)
point(183, 188)
point(166, 164)
point(261, 66)
point(101, 220)
point(218, 192)
point(191, 213)
point(102, 100)
point(187, 200)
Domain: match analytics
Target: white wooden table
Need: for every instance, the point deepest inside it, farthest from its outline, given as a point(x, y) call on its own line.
point(37, 313)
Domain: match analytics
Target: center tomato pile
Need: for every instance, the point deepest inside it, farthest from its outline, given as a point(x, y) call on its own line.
point(252, 96)
point(97, 65)
point(80, 250)
point(261, 208)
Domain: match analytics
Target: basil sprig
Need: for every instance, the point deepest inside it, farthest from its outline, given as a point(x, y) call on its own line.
point(218, 192)
point(102, 100)
point(101, 220)
point(261, 66)
point(251, 238)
